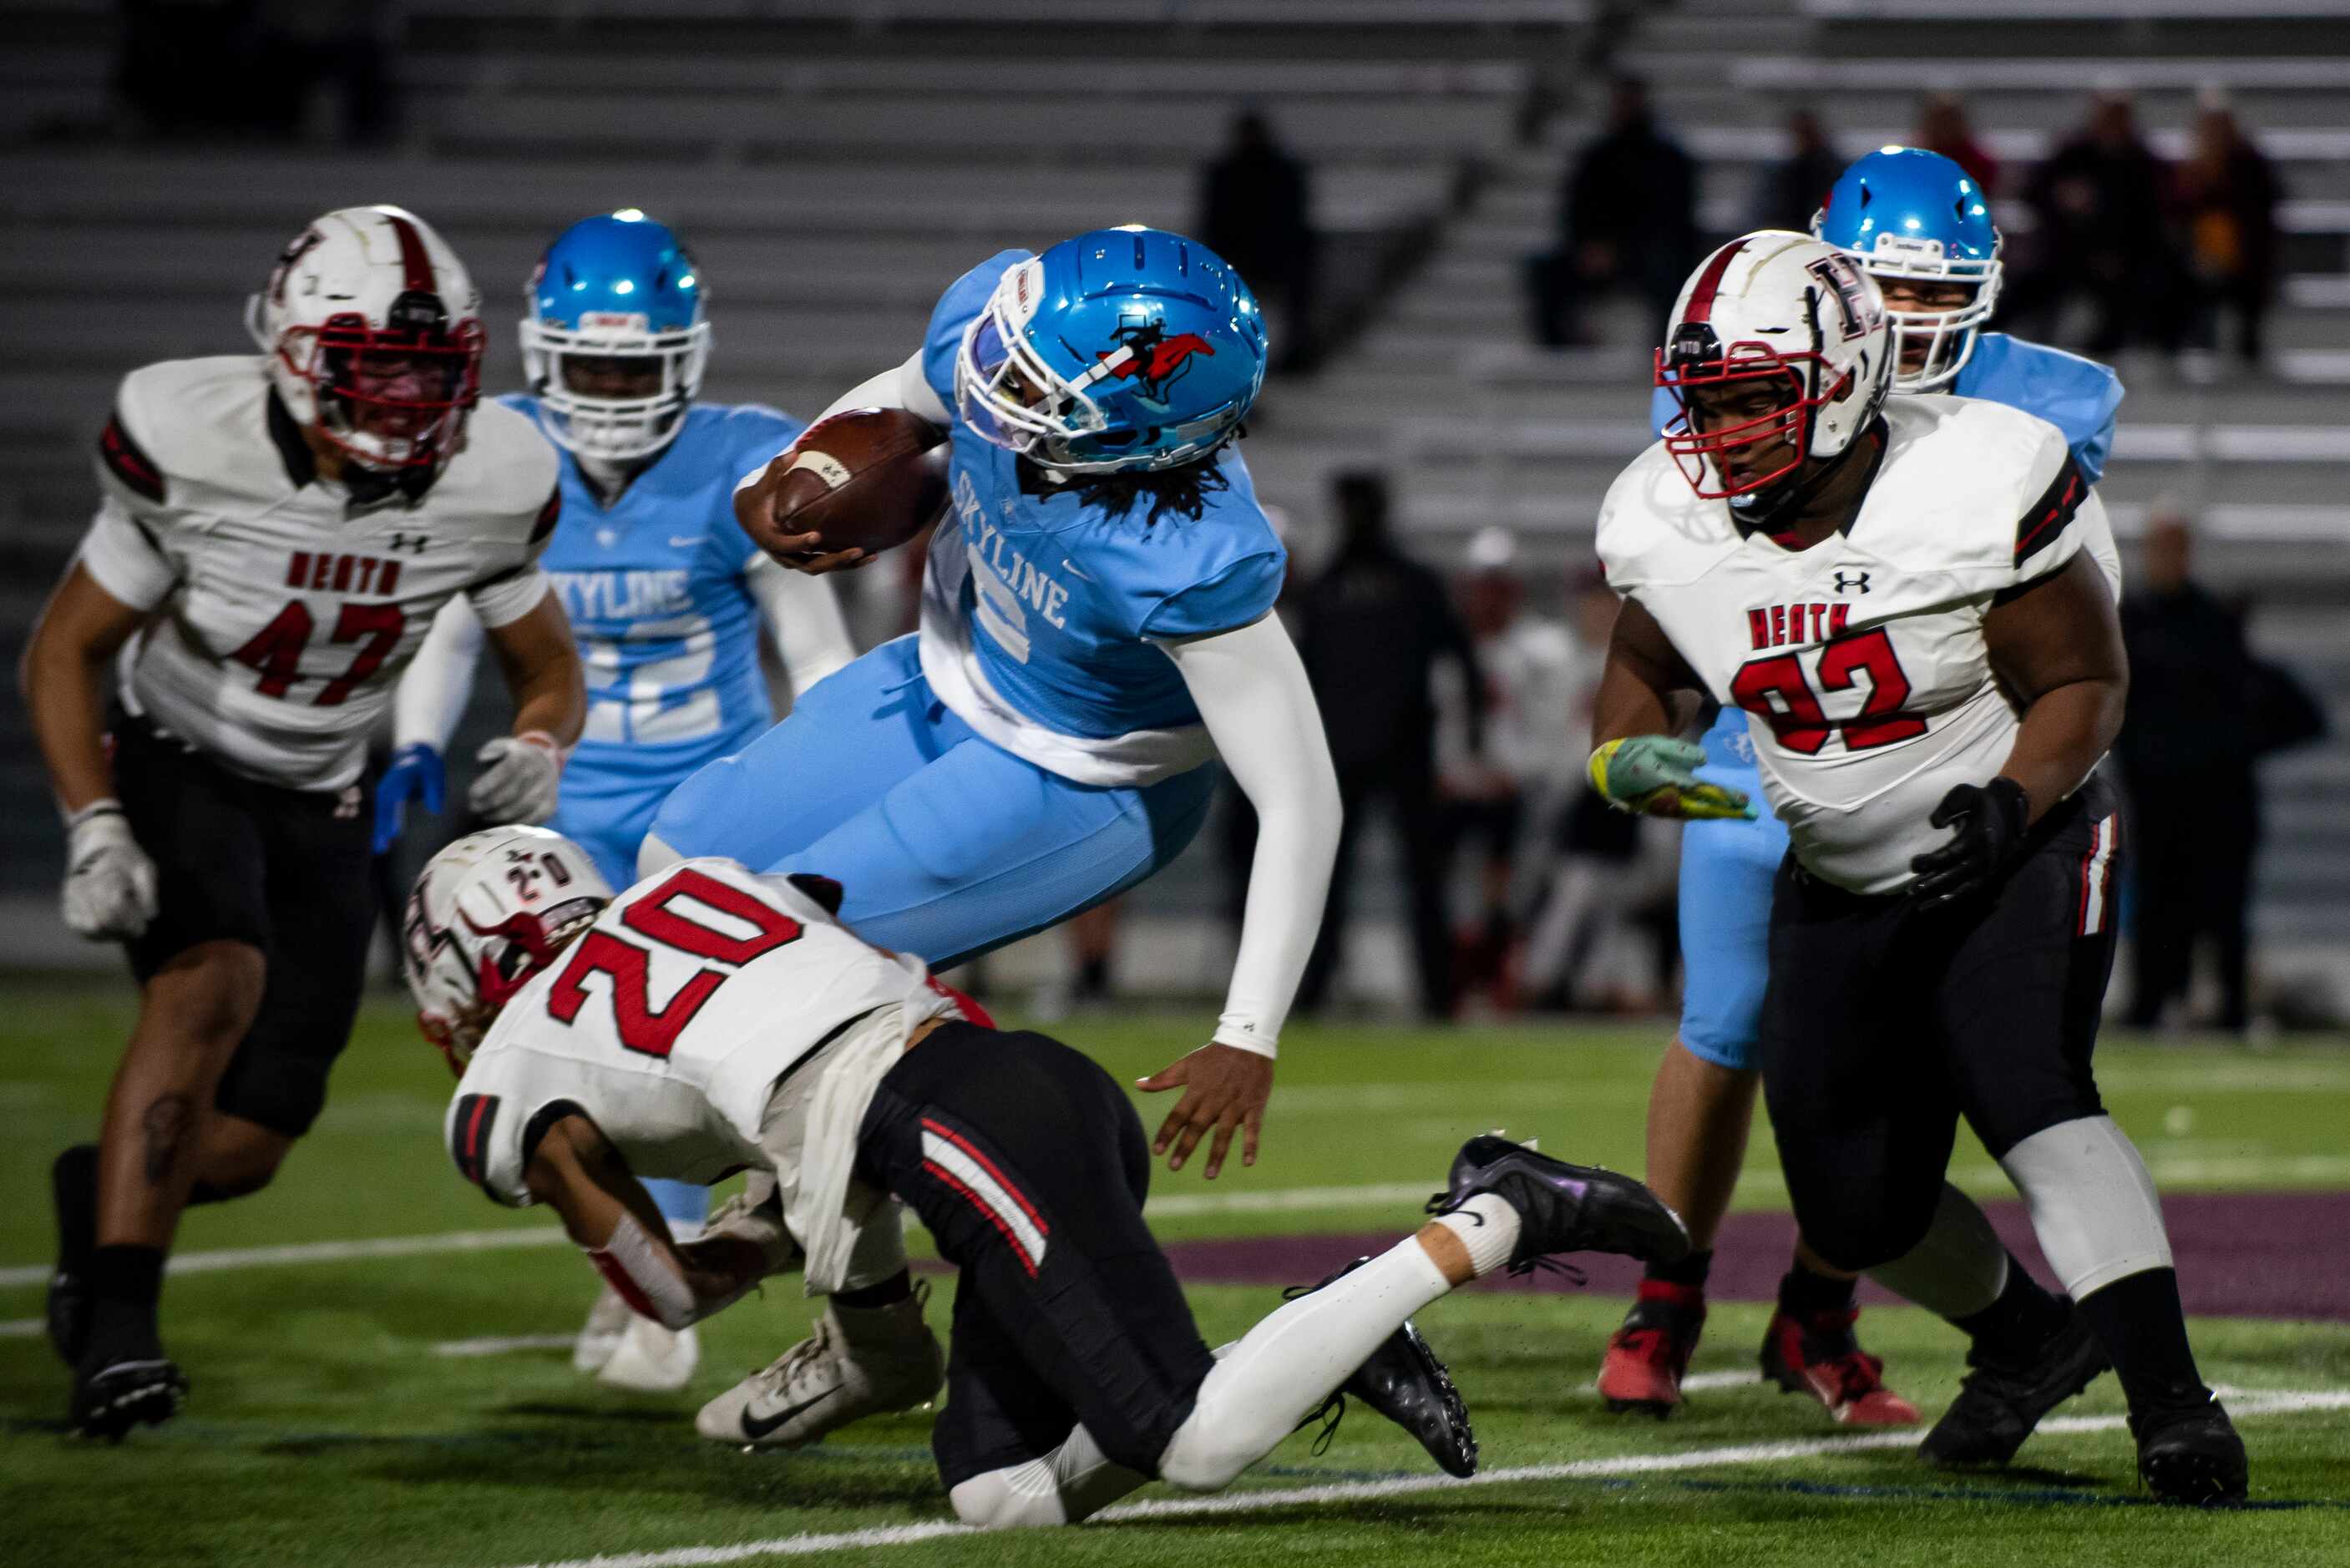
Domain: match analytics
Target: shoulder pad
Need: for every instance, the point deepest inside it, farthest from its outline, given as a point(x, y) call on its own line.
point(1654, 529)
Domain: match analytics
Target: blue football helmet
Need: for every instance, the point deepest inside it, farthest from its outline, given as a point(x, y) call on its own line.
point(614, 287)
point(1909, 213)
point(1118, 351)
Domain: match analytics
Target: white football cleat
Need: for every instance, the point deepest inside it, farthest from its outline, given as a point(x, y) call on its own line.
point(600, 1337)
point(859, 1362)
point(652, 1359)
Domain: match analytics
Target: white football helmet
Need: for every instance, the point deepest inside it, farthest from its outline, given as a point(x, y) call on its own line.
point(489, 911)
point(1783, 306)
point(374, 337)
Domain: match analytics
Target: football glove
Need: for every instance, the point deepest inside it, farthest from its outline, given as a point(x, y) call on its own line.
point(1657, 775)
point(520, 778)
point(415, 773)
point(110, 888)
point(1990, 819)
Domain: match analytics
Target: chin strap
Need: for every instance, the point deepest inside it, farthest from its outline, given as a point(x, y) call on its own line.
point(1784, 502)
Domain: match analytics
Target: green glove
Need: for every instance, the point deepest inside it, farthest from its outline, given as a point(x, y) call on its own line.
point(1657, 774)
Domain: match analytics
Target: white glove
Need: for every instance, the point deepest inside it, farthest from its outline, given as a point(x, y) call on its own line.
point(110, 888)
point(520, 778)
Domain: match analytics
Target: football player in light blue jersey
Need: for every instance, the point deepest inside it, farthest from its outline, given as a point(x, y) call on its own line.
point(665, 594)
point(1920, 225)
point(1097, 625)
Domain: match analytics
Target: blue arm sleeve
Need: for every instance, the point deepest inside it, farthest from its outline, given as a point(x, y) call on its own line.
point(963, 299)
point(1237, 595)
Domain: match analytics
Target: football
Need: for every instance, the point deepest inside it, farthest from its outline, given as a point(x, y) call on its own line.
point(865, 479)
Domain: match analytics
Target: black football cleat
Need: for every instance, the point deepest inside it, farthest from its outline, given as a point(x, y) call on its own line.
point(2000, 1401)
point(1404, 1381)
point(2191, 1456)
point(73, 1190)
point(124, 1393)
point(1564, 1208)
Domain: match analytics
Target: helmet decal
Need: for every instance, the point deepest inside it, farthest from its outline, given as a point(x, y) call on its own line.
point(1149, 357)
point(1859, 309)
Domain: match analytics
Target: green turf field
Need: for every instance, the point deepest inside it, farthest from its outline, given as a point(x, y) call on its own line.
point(326, 1427)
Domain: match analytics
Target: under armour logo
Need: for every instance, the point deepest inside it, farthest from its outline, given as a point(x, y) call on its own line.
point(414, 543)
point(1851, 582)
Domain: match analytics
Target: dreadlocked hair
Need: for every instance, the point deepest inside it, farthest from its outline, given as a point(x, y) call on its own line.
point(1183, 490)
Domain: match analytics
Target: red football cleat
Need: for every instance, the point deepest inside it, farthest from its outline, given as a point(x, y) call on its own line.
point(1815, 1354)
point(1647, 1357)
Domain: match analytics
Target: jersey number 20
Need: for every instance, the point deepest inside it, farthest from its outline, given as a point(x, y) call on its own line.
point(628, 967)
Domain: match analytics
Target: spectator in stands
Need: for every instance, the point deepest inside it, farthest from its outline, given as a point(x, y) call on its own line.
point(2187, 750)
point(1942, 128)
point(2103, 202)
point(251, 67)
point(1256, 212)
point(1792, 190)
point(1498, 796)
point(2228, 191)
point(1626, 220)
point(1376, 625)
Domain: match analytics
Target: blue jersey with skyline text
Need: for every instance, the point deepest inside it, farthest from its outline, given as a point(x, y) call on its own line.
point(1053, 605)
point(655, 589)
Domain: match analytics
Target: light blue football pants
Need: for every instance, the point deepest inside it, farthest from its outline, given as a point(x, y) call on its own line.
point(1727, 868)
point(944, 845)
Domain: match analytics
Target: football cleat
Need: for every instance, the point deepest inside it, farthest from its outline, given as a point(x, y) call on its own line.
point(1564, 1208)
point(1404, 1381)
point(600, 1335)
point(1815, 1354)
point(1649, 1354)
point(2000, 1401)
point(859, 1362)
point(73, 1188)
point(650, 1359)
point(2191, 1456)
point(123, 1395)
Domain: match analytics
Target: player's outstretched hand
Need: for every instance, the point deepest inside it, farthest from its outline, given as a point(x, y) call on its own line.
point(1224, 1087)
point(520, 778)
point(755, 508)
point(1657, 777)
point(414, 774)
point(110, 890)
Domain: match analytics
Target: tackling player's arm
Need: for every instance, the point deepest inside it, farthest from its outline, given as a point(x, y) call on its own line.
point(575, 1171)
point(425, 713)
point(1647, 696)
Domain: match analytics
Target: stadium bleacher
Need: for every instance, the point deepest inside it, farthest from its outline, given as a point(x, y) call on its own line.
point(833, 160)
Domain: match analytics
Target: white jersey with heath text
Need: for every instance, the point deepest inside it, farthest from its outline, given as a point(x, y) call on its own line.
point(669, 1022)
point(1860, 662)
point(286, 606)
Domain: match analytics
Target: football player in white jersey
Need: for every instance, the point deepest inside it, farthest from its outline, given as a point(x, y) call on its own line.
point(1907, 601)
point(274, 535)
point(711, 1020)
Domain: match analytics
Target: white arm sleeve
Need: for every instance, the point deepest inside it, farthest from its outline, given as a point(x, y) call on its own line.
point(803, 615)
point(1252, 691)
point(439, 680)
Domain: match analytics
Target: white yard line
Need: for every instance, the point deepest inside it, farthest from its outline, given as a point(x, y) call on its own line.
point(2277, 1404)
point(506, 1345)
point(329, 1251)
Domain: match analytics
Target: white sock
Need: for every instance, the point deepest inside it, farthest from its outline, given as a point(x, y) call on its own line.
point(1289, 1363)
point(1488, 1227)
point(1068, 1485)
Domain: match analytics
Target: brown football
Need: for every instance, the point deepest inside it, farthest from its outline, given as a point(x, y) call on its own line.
point(867, 479)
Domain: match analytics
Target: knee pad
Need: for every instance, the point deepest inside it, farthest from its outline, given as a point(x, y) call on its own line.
point(1199, 1459)
point(1013, 1497)
point(1858, 1242)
